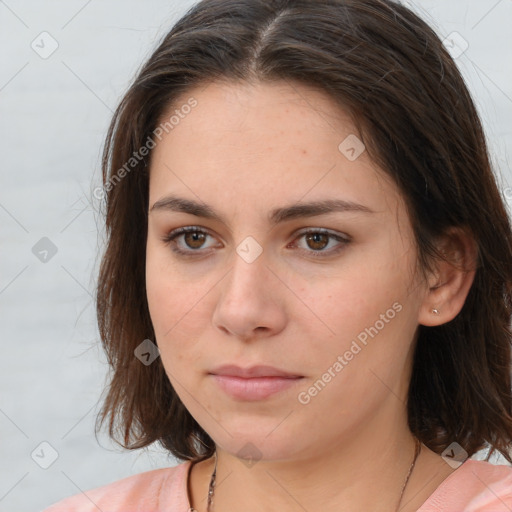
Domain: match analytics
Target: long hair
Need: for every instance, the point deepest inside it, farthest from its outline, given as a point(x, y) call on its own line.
point(386, 67)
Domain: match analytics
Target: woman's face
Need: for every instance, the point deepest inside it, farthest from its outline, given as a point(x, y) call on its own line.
point(266, 277)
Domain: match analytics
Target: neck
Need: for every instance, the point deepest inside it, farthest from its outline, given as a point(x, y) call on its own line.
point(337, 480)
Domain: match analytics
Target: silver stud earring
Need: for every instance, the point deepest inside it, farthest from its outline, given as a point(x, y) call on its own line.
point(435, 311)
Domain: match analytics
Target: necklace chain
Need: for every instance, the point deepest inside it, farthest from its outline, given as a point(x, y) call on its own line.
point(211, 487)
point(417, 450)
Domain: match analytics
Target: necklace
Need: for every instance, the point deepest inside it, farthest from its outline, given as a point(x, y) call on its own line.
point(211, 487)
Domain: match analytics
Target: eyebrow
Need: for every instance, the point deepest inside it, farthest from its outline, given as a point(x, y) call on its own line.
point(286, 213)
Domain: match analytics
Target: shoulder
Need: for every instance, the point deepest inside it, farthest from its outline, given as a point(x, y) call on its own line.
point(158, 489)
point(476, 486)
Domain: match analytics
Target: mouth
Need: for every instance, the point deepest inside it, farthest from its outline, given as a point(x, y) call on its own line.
point(254, 383)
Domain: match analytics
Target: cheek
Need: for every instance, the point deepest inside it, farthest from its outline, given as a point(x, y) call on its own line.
point(167, 291)
point(160, 300)
point(349, 303)
point(368, 320)
point(176, 306)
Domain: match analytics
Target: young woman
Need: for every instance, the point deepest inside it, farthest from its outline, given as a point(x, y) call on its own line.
point(306, 295)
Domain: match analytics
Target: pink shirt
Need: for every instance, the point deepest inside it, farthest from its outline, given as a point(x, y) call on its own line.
point(476, 486)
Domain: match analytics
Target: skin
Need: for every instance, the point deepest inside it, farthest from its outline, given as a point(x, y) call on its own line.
point(245, 150)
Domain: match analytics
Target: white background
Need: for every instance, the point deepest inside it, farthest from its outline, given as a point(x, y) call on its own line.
point(54, 116)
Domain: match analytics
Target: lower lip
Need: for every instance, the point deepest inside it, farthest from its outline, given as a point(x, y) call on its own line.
point(257, 388)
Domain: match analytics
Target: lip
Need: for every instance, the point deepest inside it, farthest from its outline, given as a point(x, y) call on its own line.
point(233, 370)
point(254, 383)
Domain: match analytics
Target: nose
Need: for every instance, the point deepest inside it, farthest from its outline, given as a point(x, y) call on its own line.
point(251, 301)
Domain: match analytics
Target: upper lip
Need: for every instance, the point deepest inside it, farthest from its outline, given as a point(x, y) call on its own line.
point(251, 372)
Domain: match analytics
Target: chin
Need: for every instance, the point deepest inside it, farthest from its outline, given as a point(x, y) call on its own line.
point(255, 443)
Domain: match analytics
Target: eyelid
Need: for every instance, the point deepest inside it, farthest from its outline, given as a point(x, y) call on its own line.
point(325, 231)
point(343, 239)
point(175, 233)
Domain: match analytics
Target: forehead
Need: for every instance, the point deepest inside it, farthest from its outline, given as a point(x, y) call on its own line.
point(258, 112)
point(264, 143)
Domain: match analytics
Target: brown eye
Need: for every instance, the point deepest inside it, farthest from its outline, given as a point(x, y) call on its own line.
point(188, 241)
point(194, 239)
point(317, 241)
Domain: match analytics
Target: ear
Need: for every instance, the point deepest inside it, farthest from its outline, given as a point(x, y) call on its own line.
point(449, 284)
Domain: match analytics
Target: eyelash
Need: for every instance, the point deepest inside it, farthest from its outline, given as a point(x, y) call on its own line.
point(169, 239)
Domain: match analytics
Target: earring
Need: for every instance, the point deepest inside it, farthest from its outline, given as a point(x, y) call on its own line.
point(435, 311)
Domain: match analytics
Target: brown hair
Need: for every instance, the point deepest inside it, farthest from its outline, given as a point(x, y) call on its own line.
point(388, 69)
